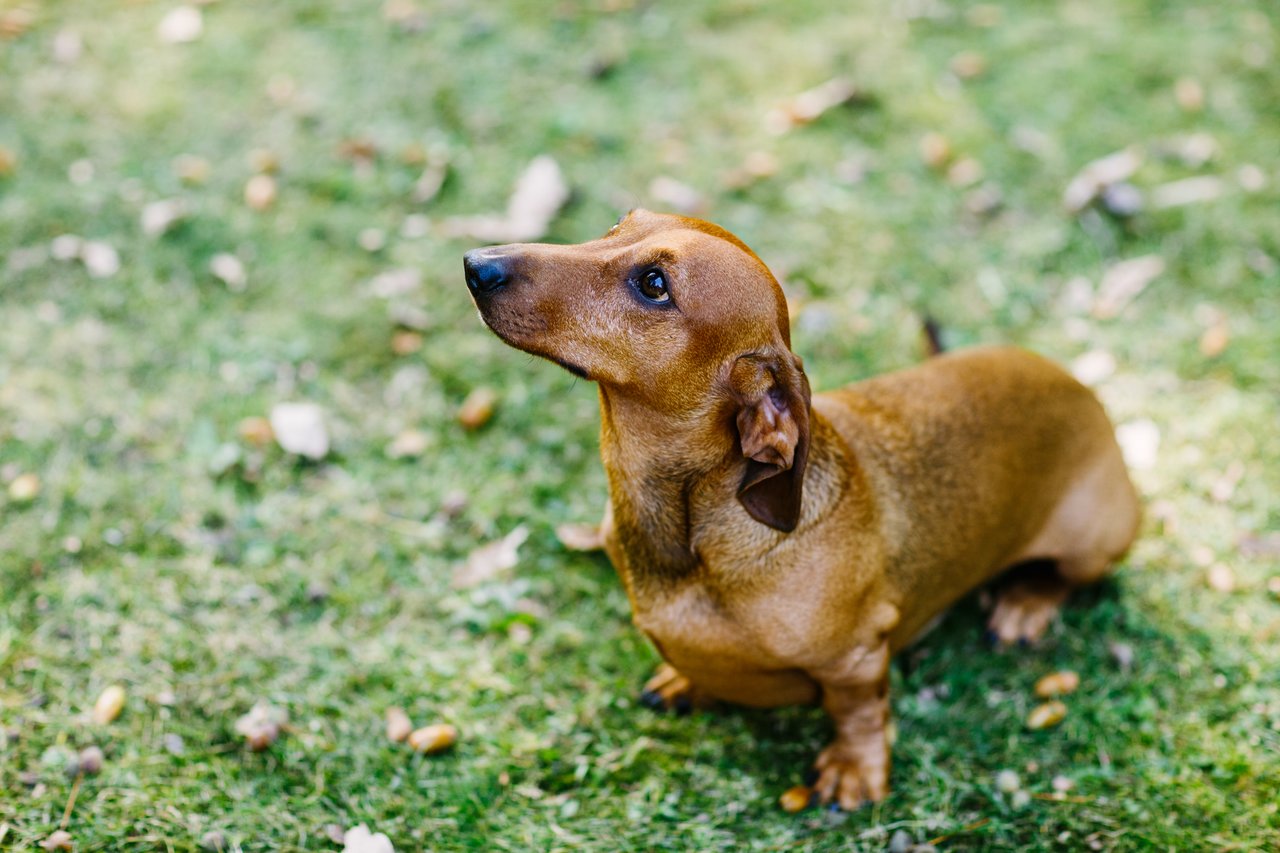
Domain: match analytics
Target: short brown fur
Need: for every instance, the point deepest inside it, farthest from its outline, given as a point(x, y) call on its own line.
point(779, 547)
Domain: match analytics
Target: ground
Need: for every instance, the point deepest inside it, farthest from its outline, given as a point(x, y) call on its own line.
point(159, 548)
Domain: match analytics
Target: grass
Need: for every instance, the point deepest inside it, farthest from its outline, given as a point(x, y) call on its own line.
point(165, 553)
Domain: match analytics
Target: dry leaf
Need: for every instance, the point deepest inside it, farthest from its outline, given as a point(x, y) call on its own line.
point(358, 839)
point(432, 739)
point(299, 428)
point(1187, 191)
point(109, 705)
point(228, 269)
point(24, 488)
point(810, 104)
point(1122, 283)
point(59, 840)
point(181, 25)
point(796, 799)
point(409, 444)
point(489, 561)
point(539, 194)
point(1140, 442)
point(101, 260)
point(1094, 177)
point(260, 192)
point(580, 537)
point(1061, 683)
point(681, 198)
point(399, 726)
point(159, 216)
point(477, 409)
point(261, 726)
point(1047, 715)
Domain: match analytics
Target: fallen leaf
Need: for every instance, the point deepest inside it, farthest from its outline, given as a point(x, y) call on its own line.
point(228, 269)
point(260, 727)
point(432, 739)
point(24, 488)
point(358, 839)
point(109, 705)
point(809, 105)
point(100, 259)
point(260, 192)
point(477, 408)
point(159, 216)
point(1122, 282)
point(300, 429)
point(796, 799)
point(580, 537)
point(410, 443)
point(181, 25)
point(539, 194)
point(1140, 442)
point(399, 726)
point(1046, 716)
point(1187, 191)
point(59, 840)
point(1097, 175)
point(1062, 683)
point(489, 561)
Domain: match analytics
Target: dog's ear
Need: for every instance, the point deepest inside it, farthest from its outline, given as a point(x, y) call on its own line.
point(772, 396)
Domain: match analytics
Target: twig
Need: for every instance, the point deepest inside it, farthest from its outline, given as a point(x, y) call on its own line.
point(961, 831)
point(71, 800)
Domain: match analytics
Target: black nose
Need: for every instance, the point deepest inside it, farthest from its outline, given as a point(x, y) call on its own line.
point(486, 272)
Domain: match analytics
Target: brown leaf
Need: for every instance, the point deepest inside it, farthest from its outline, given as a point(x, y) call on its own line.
point(489, 561)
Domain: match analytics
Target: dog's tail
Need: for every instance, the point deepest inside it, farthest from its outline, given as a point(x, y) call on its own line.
point(933, 337)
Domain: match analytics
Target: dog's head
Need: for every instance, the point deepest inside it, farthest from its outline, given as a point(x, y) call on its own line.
point(675, 314)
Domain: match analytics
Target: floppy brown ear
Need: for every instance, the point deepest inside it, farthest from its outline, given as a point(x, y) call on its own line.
point(773, 430)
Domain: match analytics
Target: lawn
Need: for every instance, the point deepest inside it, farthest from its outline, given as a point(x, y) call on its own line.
point(154, 537)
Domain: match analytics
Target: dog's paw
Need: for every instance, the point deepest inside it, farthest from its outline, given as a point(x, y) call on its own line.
point(848, 778)
point(669, 690)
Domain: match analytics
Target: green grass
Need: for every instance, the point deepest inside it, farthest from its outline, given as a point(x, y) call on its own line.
point(121, 393)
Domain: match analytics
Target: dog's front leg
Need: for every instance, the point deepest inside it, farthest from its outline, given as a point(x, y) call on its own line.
point(855, 768)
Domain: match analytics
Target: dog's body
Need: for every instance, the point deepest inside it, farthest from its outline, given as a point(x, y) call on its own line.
point(778, 548)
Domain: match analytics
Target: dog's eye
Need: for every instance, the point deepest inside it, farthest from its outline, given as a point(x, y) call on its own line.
point(652, 285)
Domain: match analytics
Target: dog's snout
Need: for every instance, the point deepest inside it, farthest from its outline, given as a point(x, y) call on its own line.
point(486, 271)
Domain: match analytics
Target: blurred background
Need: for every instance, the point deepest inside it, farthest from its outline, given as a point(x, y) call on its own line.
point(256, 449)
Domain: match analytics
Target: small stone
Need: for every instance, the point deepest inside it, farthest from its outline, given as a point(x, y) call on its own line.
point(100, 259)
point(182, 25)
point(432, 739)
point(59, 840)
point(260, 192)
point(477, 408)
point(24, 488)
point(1007, 782)
point(1046, 716)
point(90, 760)
point(109, 705)
point(796, 799)
point(1062, 683)
point(399, 726)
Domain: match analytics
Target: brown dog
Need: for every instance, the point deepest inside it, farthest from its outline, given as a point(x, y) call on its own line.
point(779, 548)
